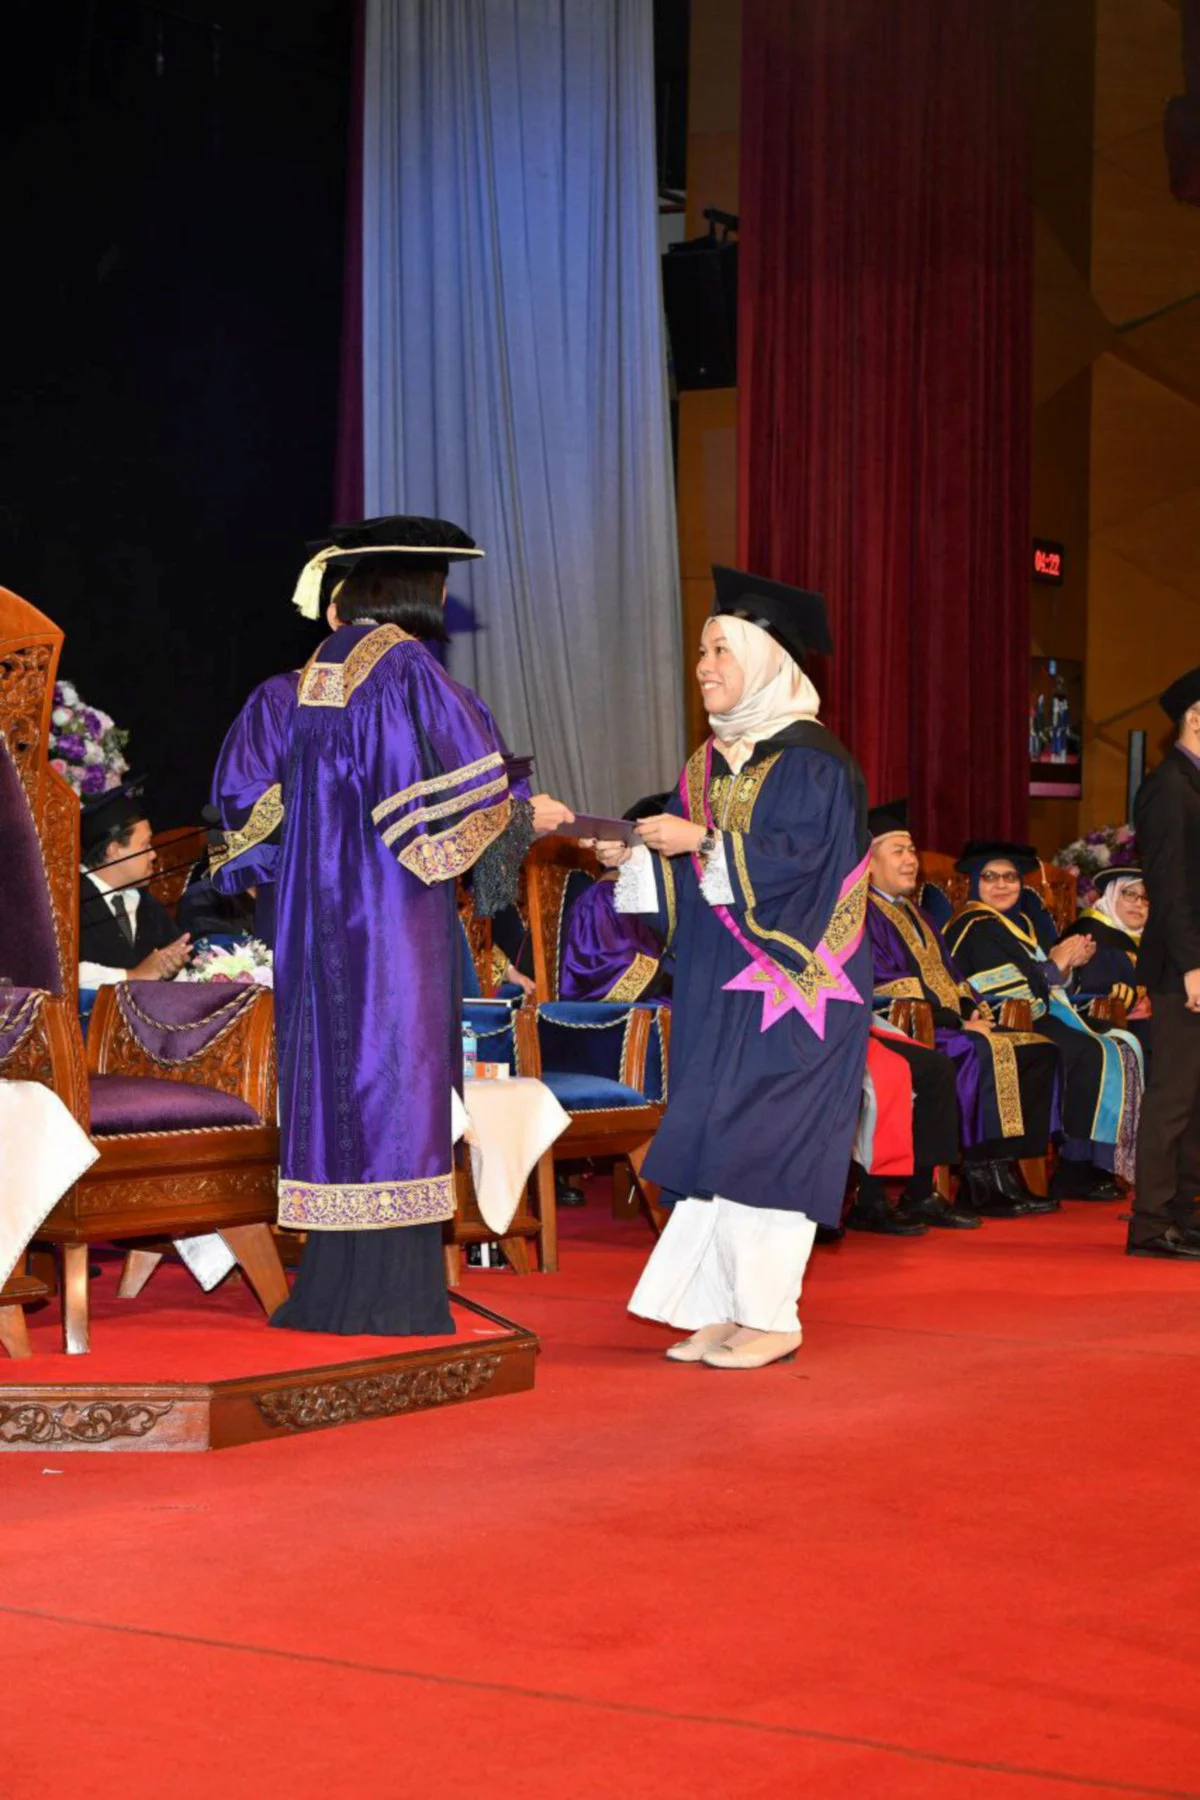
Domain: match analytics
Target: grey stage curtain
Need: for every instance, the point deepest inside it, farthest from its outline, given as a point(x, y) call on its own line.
point(513, 363)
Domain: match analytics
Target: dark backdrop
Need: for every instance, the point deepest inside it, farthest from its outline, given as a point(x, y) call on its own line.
point(174, 185)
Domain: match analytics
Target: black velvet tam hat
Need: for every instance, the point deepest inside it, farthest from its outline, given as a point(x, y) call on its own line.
point(978, 852)
point(108, 815)
point(882, 821)
point(1180, 695)
point(410, 540)
point(795, 618)
point(1116, 872)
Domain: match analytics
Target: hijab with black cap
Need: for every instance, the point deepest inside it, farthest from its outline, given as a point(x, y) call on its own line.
point(768, 627)
point(979, 852)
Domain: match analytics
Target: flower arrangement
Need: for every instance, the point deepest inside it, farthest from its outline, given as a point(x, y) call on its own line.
point(1098, 850)
point(248, 961)
point(86, 747)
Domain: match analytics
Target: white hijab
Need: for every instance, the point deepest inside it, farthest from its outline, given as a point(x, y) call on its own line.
point(1106, 903)
point(777, 692)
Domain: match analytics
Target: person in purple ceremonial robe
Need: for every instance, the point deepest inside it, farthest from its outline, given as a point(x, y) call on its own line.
point(247, 798)
point(1005, 1079)
point(363, 788)
point(605, 954)
point(756, 876)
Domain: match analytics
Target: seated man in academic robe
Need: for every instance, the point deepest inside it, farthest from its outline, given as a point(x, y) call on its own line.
point(124, 932)
point(908, 1129)
point(1005, 1080)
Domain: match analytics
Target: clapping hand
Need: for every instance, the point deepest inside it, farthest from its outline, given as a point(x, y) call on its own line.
point(1073, 953)
point(164, 964)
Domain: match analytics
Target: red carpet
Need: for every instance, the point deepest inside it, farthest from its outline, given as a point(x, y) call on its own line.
point(952, 1551)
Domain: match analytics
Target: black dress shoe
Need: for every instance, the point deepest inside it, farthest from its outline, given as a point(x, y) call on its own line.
point(932, 1209)
point(1084, 1181)
point(886, 1220)
point(1006, 1179)
point(993, 1200)
point(1173, 1246)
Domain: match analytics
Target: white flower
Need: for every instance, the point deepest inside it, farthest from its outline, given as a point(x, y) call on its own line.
point(69, 692)
point(60, 716)
point(1101, 855)
point(93, 755)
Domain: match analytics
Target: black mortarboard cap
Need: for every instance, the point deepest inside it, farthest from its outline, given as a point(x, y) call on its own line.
point(892, 816)
point(109, 814)
point(407, 537)
point(795, 618)
point(977, 852)
point(648, 808)
point(1116, 872)
point(1180, 695)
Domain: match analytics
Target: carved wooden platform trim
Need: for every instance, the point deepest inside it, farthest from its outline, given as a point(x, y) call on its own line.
point(273, 1407)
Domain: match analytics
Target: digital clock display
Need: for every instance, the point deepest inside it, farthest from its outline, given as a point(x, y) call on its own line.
point(1049, 559)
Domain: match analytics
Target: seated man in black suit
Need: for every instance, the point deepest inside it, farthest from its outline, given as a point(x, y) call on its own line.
point(124, 932)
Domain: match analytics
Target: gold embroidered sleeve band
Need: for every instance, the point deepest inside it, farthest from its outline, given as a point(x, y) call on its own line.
point(266, 816)
point(444, 855)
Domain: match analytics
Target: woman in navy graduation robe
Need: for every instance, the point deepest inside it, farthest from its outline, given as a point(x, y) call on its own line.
point(756, 878)
point(1115, 925)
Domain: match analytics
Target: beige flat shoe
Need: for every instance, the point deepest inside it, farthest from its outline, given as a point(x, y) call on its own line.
point(771, 1347)
point(707, 1338)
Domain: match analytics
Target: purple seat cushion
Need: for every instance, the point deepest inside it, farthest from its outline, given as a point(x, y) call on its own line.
point(122, 1103)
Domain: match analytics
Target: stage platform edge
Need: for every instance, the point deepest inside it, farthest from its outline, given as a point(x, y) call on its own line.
point(275, 1406)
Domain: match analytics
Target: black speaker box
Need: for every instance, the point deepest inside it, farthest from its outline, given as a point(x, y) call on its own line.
point(700, 297)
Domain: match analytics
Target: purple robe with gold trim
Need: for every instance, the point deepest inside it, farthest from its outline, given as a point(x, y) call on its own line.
point(391, 784)
point(605, 955)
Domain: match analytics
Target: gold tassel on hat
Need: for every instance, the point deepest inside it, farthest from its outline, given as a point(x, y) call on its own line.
point(307, 597)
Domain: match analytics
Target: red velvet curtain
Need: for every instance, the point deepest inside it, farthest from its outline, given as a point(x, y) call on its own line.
point(885, 379)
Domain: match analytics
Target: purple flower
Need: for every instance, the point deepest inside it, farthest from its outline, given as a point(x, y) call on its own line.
point(94, 722)
point(93, 781)
point(71, 747)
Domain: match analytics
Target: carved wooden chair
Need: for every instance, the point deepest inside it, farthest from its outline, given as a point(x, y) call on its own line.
point(179, 850)
point(607, 1062)
point(178, 1096)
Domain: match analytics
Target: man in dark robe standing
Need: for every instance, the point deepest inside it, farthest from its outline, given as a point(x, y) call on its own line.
point(1167, 820)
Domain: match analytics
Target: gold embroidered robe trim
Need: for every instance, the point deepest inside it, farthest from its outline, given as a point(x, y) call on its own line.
point(636, 979)
point(445, 855)
point(435, 784)
point(266, 815)
point(905, 987)
point(922, 949)
point(365, 1205)
point(444, 808)
point(333, 684)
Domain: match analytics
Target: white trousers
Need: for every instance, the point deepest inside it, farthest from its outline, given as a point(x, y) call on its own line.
point(717, 1260)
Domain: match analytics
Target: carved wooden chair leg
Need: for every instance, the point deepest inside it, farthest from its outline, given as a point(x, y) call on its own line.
point(452, 1262)
point(138, 1267)
point(648, 1190)
point(14, 1332)
point(258, 1254)
point(76, 1340)
point(517, 1251)
point(1034, 1172)
point(625, 1200)
point(547, 1208)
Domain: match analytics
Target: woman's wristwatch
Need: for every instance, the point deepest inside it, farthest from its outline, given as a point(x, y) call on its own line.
point(707, 845)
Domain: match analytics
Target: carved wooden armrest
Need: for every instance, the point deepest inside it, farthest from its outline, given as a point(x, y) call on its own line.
point(1016, 1015)
point(51, 1051)
point(636, 1048)
point(525, 1039)
point(239, 1060)
point(1109, 1009)
point(915, 1019)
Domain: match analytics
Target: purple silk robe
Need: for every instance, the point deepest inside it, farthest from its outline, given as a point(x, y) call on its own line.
point(391, 784)
point(605, 955)
point(247, 792)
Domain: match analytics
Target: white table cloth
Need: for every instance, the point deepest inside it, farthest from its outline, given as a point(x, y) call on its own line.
point(42, 1151)
point(508, 1126)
